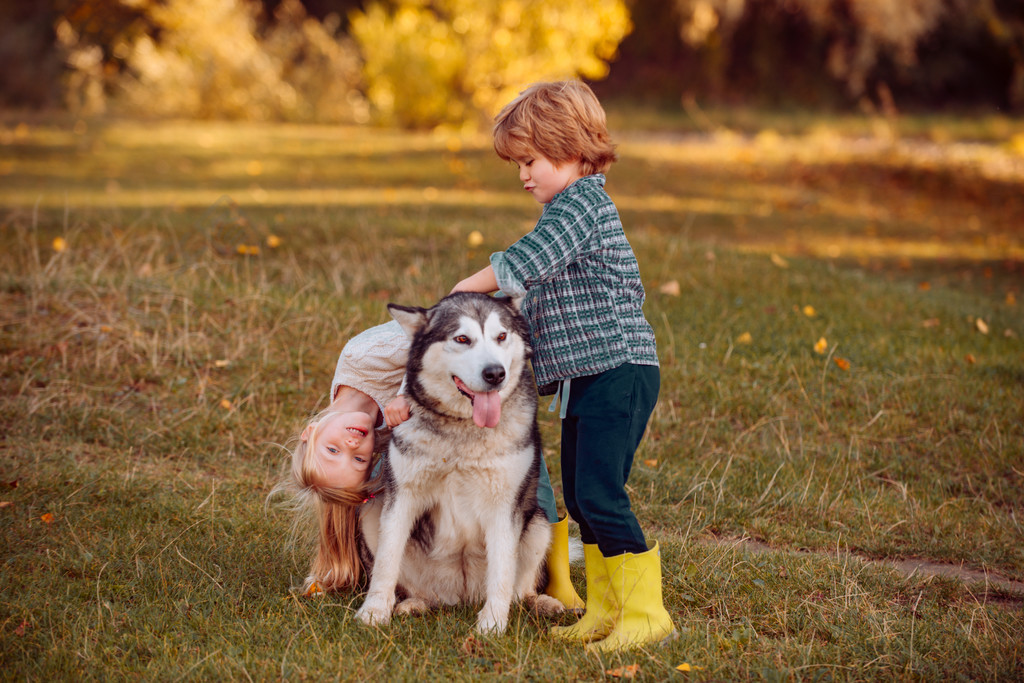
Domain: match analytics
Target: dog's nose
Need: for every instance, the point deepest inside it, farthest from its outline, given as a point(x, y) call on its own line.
point(494, 374)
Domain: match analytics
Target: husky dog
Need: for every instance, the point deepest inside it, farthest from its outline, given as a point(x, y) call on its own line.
point(458, 519)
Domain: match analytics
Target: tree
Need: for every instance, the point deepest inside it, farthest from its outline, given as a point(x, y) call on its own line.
point(448, 61)
point(869, 45)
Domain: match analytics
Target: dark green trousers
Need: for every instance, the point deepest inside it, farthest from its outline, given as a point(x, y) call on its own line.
point(604, 421)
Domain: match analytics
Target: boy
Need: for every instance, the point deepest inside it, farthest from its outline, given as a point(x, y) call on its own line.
point(582, 297)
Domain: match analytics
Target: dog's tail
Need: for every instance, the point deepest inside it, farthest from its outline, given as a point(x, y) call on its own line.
point(575, 550)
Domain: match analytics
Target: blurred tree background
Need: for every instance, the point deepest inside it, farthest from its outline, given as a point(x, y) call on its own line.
point(424, 63)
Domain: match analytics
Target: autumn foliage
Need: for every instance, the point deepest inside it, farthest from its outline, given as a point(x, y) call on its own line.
point(422, 63)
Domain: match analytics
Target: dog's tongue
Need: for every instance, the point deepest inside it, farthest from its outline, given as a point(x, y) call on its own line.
point(487, 409)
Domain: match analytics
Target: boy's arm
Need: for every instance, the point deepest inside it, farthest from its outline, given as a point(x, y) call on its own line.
point(483, 281)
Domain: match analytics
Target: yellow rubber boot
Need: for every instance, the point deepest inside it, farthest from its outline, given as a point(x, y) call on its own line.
point(601, 609)
point(559, 584)
point(642, 619)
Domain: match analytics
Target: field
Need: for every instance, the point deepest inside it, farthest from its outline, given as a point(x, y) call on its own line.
point(837, 306)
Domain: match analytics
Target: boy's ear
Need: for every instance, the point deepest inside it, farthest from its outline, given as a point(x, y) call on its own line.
point(411, 318)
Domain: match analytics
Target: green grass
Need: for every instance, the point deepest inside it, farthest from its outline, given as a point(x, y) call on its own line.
point(149, 369)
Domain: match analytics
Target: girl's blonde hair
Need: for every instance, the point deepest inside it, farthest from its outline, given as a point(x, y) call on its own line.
point(562, 121)
point(332, 511)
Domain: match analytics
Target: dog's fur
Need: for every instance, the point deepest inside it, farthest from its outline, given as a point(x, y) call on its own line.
point(458, 519)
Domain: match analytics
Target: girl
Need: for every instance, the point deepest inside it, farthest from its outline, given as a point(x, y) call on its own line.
point(332, 463)
point(583, 300)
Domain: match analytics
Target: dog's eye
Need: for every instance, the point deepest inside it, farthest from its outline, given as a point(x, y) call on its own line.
point(462, 339)
point(502, 337)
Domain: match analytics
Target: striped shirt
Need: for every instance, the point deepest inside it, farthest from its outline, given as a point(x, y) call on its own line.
point(580, 283)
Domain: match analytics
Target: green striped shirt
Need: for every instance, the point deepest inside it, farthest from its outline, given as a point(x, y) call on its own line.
point(580, 283)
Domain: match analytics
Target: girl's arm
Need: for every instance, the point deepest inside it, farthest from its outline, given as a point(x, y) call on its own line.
point(396, 412)
point(483, 281)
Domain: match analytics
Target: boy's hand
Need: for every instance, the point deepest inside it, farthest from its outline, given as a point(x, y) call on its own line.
point(396, 412)
point(482, 281)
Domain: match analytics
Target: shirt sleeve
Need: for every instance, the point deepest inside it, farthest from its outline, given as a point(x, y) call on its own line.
point(558, 239)
point(373, 362)
point(507, 282)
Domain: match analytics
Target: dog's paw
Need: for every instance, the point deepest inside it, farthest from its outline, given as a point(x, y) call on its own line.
point(489, 623)
point(374, 612)
point(412, 606)
point(545, 605)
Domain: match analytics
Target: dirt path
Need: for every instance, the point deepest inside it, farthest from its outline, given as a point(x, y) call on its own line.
point(978, 582)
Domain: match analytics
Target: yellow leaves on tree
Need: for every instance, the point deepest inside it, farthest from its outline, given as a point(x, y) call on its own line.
point(452, 60)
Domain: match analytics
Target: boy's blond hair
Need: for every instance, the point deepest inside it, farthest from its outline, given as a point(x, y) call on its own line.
point(561, 121)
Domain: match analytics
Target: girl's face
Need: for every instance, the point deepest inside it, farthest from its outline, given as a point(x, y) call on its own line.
point(343, 449)
point(542, 179)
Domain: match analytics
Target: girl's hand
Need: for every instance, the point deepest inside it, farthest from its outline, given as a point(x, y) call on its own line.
point(396, 412)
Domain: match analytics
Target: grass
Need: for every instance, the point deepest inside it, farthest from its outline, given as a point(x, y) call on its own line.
point(148, 369)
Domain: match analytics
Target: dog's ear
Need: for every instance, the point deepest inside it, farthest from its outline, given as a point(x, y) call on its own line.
point(509, 300)
point(411, 318)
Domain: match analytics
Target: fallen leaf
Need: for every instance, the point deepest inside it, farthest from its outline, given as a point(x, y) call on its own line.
point(20, 630)
point(1011, 299)
point(225, 404)
point(981, 325)
point(809, 311)
point(629, 671)
point(745, 338)
point(971, 360)
point(671, 288)
point(842, 363)
point(5, 503)
point(47, 517)
point(475, 239)
point(59, 244)
point(924, 286)
point(472, 646)
point(686, 666)
point(931, 322)
point(652, 462)
point(821, 346)
point(779, 261)
point(221, 363)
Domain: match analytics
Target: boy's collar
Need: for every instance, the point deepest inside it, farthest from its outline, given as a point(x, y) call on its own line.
point(580, 182)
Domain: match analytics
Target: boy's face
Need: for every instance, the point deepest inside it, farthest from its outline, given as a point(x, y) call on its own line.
point(344, 449)
point(542, 179)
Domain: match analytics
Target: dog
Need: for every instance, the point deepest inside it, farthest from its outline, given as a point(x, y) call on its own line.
point(457, 519)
